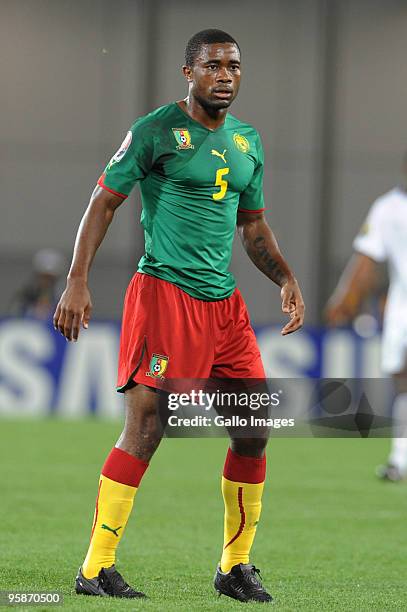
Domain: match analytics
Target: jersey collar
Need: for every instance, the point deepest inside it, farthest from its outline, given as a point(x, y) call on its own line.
point(185, 114)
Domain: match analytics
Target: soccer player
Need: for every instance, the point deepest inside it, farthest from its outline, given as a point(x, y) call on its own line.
point(383, 237)
point(200, 172)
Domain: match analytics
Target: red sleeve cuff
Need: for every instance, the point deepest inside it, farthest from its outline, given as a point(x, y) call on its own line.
point(249, 210)
point(101, 183)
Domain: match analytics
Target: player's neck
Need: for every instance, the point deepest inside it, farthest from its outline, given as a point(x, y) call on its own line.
point(209, 118)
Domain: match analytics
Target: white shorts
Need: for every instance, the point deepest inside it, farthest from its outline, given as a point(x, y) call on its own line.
point(394, 346)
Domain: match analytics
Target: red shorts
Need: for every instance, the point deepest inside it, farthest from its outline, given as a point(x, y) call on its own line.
point(168, 334)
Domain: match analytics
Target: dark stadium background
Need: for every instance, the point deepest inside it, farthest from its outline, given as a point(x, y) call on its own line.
point(324, 82)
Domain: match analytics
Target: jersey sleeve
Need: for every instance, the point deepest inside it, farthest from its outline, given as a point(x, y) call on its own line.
point(370, 240)
point(252, 198)
point(131, 162)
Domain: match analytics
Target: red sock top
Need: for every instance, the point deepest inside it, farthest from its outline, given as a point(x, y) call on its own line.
point(240, 468)
point(124, 468)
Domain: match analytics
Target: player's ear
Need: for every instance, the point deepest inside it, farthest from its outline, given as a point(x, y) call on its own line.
point(187, 71)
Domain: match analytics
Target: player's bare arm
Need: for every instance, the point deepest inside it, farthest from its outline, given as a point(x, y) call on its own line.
point(262, 248)
point(356, 283)
point(75, 306)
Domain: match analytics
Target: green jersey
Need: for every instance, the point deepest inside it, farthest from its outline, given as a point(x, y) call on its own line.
point(192, 182)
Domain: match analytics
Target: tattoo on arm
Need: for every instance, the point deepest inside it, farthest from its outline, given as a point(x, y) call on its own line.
point(266, 262)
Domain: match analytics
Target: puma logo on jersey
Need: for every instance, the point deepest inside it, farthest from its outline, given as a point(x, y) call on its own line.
point(221, 155)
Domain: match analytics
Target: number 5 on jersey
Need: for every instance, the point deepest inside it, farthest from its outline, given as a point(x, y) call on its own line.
point(220, 182)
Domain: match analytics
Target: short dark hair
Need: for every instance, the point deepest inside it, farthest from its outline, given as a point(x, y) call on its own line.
point(205, 37)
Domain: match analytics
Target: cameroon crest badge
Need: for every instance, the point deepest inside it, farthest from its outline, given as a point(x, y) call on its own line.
point(241, 143)
point(183, 138)
point(158, 365)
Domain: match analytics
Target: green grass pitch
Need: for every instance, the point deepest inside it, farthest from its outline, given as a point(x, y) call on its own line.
point(331, 537)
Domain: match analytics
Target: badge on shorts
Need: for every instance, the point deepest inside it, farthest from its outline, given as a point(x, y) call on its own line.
point(158, 365)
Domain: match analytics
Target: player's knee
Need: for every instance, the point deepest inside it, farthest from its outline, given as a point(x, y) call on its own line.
point(142, 430)
point(143, 418)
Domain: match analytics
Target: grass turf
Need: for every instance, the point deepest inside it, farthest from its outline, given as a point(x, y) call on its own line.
point(331, 536)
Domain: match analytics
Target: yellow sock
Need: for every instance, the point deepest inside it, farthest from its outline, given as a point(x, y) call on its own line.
point(113, 507)
point(242, 513)
point(242, 489)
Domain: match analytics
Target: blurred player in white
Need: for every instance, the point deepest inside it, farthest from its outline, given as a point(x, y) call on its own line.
point(383, 237)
